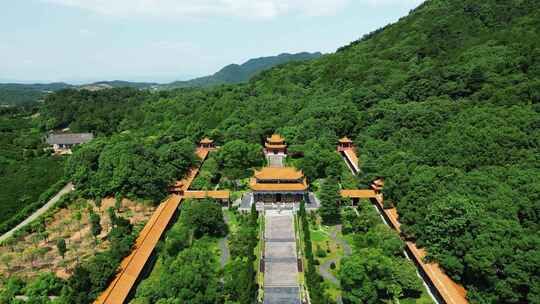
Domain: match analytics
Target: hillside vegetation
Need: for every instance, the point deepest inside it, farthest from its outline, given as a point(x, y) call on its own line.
point(443, 103)
point(26, 170)
point(19, 94)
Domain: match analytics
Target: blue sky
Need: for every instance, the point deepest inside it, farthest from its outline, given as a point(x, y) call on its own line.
point(164, 40)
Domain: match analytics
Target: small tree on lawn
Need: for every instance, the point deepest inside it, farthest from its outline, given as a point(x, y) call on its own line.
point(112, 215)
point(29, 254)
point(78, 217)
point(98, 203)
point(61, 246)
point(118, 201)
point(95, 222)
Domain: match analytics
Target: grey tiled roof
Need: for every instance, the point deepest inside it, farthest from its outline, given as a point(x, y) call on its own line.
point(69, 138)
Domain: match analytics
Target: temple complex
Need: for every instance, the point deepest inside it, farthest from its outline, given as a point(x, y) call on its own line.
point(275, 151)
point(279, 185)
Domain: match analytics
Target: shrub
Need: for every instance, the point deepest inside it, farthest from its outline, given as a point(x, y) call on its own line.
point(320, 253)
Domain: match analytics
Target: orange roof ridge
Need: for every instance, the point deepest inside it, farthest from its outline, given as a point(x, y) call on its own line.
point(279, 173)
point(299, 186)
point(357, 193)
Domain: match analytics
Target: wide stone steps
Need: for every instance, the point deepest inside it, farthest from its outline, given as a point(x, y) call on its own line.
point(281, 268)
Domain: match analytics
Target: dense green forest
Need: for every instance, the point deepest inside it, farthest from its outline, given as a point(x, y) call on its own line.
point(444, 104)
point(26, 170)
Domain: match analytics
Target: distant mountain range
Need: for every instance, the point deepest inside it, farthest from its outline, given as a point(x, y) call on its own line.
point(18, 93)
point(235, 73)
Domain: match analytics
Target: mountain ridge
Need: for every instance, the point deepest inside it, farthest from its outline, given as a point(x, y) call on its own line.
point(21, 93)
point(238, 73)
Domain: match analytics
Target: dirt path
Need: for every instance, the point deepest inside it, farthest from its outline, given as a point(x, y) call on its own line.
point(67, 188)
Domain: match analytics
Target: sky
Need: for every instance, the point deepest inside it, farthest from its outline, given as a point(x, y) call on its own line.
point(80, 41)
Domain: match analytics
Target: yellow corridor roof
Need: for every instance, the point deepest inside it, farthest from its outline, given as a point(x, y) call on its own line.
point(356, 193)
point(278, 173)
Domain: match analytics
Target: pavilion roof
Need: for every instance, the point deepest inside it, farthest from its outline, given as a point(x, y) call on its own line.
point(275, 138)
point(345, 140)
point(287, 173)
point(206, 140)
point(379, 182)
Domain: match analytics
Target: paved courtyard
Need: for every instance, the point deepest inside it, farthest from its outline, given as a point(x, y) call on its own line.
point(281, 272)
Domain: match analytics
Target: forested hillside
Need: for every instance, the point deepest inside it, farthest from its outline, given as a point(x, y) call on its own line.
point(26, 170)
point(18, 94)
point(443, 103)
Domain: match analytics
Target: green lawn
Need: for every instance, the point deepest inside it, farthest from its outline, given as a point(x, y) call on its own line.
point(233, 220)
point(320, 237)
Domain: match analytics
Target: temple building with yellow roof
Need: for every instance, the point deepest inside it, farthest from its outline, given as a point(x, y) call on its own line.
point(275, 151)
point(279, 185)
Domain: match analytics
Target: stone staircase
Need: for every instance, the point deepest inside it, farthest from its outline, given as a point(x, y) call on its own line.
point(281, 269)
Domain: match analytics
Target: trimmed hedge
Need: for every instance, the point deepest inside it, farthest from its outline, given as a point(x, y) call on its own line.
point(313, 278)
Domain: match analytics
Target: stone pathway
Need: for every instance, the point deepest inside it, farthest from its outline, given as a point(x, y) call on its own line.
point(281, 269)
point(325, 273)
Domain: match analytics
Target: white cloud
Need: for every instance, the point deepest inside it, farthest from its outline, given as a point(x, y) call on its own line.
point(205, 8)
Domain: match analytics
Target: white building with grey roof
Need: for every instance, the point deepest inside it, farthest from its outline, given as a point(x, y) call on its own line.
point(63, 142)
